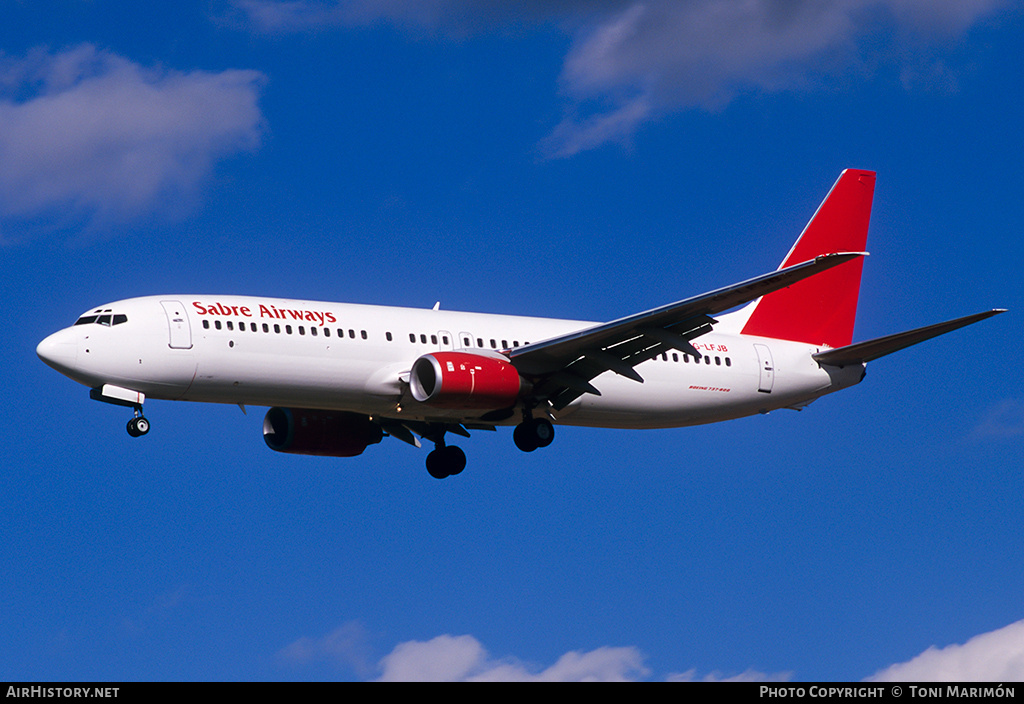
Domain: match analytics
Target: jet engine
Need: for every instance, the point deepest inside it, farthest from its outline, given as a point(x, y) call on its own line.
point(325, 433)
point(465, 380)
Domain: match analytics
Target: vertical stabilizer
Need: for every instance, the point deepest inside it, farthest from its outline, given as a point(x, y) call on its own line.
point(821, 310)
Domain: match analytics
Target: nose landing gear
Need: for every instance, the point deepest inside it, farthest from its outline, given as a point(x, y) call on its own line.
point(118, 396)
point(138, 426)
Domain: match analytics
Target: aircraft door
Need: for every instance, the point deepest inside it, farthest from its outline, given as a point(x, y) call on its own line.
point(445, 339)
point(767, 369)
point(177, 323)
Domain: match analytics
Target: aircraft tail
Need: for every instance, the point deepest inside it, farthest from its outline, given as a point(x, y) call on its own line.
point(820, 310)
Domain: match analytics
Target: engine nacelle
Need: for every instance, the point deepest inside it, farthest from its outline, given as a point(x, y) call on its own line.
point(324, 433)
point(465, 380)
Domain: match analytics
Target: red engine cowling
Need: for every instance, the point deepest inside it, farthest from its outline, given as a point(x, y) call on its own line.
point(464, 380)
point(324, 433)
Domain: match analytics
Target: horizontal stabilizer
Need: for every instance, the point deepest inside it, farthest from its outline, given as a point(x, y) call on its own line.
point(862, 352)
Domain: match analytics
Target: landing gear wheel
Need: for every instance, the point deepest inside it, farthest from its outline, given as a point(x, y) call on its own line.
point(543, 431)
point(456, 459)
point(138, 426)
point(446, 461)
point(435, 465)
point(533, 433)
point(523, 438)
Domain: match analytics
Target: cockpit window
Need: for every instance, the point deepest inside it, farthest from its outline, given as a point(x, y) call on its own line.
point(106, 318)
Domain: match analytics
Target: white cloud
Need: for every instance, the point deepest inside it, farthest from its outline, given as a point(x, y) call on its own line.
point(85, 133)
point(702, 53)
point(997, 656)
point(632, 61)
point(462, 658)
point(745, 676)
point(346, 645)
point(1003, 420)
point(448, 658)
point(451, 17)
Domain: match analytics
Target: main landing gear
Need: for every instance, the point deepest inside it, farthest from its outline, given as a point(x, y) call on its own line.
point(448, 460)
point(138, 426)
point(533, 433)
point(445, 460)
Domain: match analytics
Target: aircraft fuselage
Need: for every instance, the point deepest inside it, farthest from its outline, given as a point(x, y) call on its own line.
point(332, 356)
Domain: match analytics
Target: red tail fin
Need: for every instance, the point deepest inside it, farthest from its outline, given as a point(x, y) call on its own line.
point(820, 310)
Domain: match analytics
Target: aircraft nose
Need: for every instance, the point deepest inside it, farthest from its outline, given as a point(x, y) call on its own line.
point(58, 351)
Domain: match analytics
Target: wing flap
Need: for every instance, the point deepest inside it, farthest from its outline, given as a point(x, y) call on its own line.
point(622, 357)
point(562, 367)
point(622, 344)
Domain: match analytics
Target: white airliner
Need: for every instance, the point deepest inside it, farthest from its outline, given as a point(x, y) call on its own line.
point(339, 377)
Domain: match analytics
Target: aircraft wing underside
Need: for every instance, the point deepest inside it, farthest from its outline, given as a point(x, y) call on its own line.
point(406, 430)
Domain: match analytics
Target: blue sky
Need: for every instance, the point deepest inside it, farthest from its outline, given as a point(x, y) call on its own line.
point(569, 159)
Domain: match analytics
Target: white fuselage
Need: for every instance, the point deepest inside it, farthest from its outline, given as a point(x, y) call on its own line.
point(316, 355)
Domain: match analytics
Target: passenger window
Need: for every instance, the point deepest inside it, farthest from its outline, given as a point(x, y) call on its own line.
point(231, 326)
point(388, 336)
point(288, 329)
point(206, 324)
point(433, 339)
point(302, 330)
point(312, 331)
point(277, 328)
point(362, 334)
point(266, 328)
point(216, 324)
